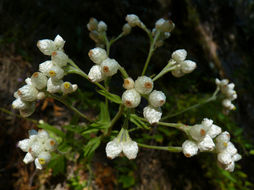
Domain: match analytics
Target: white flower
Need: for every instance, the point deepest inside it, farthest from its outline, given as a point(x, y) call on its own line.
point(126, 29)
point(46, 46)
point(224, 158)
point(28, 158)
point(95, 74)
point(39, 80)
point(102, 26)
point(27, 93)
point(190, 148)
point(153, 115)
point(144, 85)
point(133, 20)
point(214, 131)
point(198, 132)
point(128, 83)
point(179, 55)
point(109, 67)
point(56, 72)
point(60, 58)
point(54, 86)
point(157, 98)
point(67, 87)
point(131, 98)
point(97, 55)
point(59, 42)
point(45, 67)
point(122, 143)
point(206, 144)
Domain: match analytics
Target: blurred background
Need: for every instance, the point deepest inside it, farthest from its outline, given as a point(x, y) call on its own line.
point(217, 34)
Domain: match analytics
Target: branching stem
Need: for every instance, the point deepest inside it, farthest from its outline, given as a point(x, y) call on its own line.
point(167, 148)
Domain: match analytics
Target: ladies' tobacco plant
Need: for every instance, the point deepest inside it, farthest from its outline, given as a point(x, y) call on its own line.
point(48, 82)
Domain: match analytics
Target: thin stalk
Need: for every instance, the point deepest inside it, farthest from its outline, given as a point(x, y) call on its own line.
point(167, 148)
point(151, 50)
point(115, 119)
point(212, 98)
point(113, 40)
point(169, 67)
point(72, 63)
point(16, 115)
point(70, 106)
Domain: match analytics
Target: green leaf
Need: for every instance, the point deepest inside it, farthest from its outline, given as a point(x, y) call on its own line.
point(91, 146)
point(74, 128)
point(52, 129)
point(104, 114)
point(112, 97)
point(127, 180)
point(57, 163)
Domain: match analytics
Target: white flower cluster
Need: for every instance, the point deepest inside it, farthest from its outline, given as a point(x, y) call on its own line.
point(202, 136)
point(49, 77)
point(122, 143)
point(227, 153)
point(165, 27)
point(105, 67)
point(228, 91)
point(38, 147)
point(182, 66)
point(144, 86)
point(97, 30)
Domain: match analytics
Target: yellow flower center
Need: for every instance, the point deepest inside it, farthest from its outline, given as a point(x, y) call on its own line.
point(42, 161)
point(66, 85)
point(52, 73)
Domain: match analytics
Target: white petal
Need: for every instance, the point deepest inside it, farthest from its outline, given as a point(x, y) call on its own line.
point(59, 42)
point(144, 85)
point(37, 164)
point(153, 115)
point(177, 72)
point(97, 55)
point(133, 20)
point(130, 149)
point(39, 80)
point(27, 93)
point(223, 137)
point(206, 144)
point(179, 55)
point(190, 148)
point(214, 131)
point(231, 149)
point(95, 74)
point(224, 158)
point(128, 83)
point(19, 104)
point(54, 86)
point(28, 158)
point(44, 158)
point(230, 167)
point(113, 149)
point(46, 46)
point(60, 58)
point(157, 98)
point(188, 66)
point(109, 67)
point(24, 145)
point(198, 132)
point(236, 157)
point(131, 98)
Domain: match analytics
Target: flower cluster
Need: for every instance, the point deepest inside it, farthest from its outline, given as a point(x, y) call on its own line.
point(49, 77)
point(227, 153)
point(105, 67)
point(144, 86)
point(228, 91)
point(122, 143)
point(97, 30)
point(201, 138)
point(38, 147)
point(182, 66)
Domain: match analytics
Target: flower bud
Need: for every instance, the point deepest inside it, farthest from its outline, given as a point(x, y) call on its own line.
point(28, 81)
point(60, 58)
point(131, 98)
point(95, 74)
point(133, 20)
point(41, 96)
point(26, 112)
point(144, 85)
point(97, 55)
point(92, 25)
point(177, 72)
point(109, 67)
point(157, 98)
point(39, 80)
point(224, 158)
point(228, 104)
point(198, 132)
point(164, 25)
point(28, 158)
point(27, 93)
point(188, 66)
point(230, 167)
point(113, 149)
point(46, 46)
point(59, 42)
point(56, 72)
point(19, 104)
point(207, 123)
point(190, 148)
point(44, 158)
point(54, 86)
point(231, 149)
point(102, 26)
point(130, 149)
point(153, 115)
point(214, 131)
point(179, 55)
point(67, 88)
point(126, 29)
point(223, 137)
point(128, 83)
point(236, 157)
point(50, 145)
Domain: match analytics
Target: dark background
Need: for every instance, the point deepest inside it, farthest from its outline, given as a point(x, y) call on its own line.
point(217, 34)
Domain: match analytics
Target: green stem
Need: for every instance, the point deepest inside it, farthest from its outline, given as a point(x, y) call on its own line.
point(169, 67)
point(69, 106)
point(113, 40)
point(212, 98)
point(115, 119)
point(72, 63)
point(123, 72)
point(16, 115)
point(151, 50)
point(167, 148)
